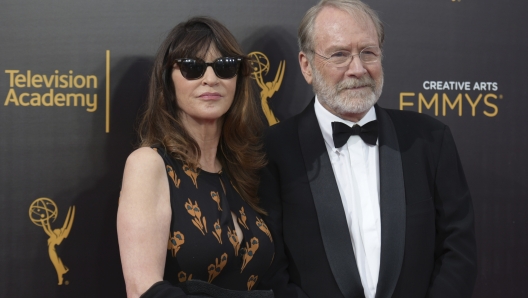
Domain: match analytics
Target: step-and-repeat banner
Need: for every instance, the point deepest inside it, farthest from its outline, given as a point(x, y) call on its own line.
point(74, 76)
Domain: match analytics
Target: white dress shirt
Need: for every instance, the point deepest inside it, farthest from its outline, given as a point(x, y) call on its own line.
point(356, 168)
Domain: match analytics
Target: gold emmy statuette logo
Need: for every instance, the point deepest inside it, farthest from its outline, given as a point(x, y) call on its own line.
point(43, 211)
point(261, 66)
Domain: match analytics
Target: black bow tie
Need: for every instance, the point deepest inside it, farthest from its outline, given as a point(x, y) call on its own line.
point(341, 132)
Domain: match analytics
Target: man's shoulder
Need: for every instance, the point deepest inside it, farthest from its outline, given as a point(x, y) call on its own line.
point(284, 137)
point(411, 119)
point(411, 126)
point(287, 126)
point(281, 134)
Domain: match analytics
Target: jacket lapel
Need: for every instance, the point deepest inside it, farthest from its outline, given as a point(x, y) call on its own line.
point(392, 206)
point(327, 200)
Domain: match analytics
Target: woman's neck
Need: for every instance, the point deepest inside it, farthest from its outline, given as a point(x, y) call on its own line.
point(207, 135)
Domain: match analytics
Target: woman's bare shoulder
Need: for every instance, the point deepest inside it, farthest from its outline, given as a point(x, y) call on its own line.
point(144, 157)
point(144, 174)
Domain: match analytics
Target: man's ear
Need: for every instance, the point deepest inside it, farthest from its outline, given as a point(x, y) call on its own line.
point(306, 68)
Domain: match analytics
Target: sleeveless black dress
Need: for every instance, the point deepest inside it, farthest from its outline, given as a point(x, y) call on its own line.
point(202, 243)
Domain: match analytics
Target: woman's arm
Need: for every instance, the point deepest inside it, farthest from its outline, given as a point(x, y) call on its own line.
point(143, 220)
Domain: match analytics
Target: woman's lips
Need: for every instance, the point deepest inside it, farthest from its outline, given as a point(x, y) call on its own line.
point(210, 95)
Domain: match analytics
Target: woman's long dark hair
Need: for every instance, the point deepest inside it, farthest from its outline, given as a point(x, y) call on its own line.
point(240, 149)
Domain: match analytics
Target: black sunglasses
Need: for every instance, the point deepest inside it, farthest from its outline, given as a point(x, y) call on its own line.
point(224, 67)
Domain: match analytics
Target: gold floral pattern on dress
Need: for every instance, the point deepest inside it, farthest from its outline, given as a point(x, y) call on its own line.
point(215, 269)
point(249, 251)
point(262, 226)
point(173, 176)
point(195, 211)
point(182, 276)
point(175, 242)
point(191, 173)
point(231, 222)
point(242, 218)
point(233, 238)
point(252, 281)
point(216, 197)
point(217, 231)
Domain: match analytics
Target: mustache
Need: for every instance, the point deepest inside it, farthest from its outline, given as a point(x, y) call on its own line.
point(364, 81)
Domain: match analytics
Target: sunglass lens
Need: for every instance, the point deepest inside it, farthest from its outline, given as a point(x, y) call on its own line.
point(191, 69)
point(226, 67)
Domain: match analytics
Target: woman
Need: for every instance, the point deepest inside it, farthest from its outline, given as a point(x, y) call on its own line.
point(188, 207)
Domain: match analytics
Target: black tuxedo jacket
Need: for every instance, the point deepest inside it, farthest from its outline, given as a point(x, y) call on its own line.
point(427, 234)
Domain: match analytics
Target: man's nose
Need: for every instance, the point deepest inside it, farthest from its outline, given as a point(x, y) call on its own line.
point(356, 68)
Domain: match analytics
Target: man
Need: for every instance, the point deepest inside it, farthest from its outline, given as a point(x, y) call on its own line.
point(376, 210)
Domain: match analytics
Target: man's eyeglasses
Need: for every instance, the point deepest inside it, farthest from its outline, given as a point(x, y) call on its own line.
point(194, 68)
point(343, 58)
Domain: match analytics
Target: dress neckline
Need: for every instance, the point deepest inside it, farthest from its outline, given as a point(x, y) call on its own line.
point(210, 173)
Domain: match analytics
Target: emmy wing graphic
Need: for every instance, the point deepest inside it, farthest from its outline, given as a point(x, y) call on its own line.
point(41, 212)
point(261, 66)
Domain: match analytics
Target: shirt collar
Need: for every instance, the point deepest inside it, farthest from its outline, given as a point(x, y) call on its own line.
point(325, 119)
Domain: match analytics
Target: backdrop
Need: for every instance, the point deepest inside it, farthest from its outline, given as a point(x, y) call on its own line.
point(74, 76)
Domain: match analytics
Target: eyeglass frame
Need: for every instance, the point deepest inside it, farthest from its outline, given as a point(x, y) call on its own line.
point(379, 57)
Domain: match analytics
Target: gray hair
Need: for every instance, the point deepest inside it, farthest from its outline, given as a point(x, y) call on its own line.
point(356, 8)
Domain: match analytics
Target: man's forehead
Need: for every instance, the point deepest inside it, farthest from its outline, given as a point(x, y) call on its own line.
point(333, 17)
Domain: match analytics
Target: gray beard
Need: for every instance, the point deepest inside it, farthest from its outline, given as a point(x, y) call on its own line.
point(344, 101)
